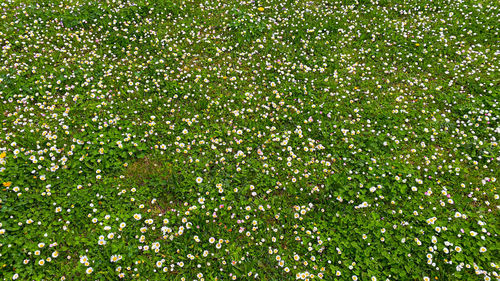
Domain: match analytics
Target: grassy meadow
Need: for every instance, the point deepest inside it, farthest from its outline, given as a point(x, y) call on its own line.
point(249, 140)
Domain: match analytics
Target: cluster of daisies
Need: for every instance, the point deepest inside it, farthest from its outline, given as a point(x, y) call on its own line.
point(238, 140)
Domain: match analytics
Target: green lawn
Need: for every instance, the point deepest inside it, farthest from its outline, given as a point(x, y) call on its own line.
point(239, 140)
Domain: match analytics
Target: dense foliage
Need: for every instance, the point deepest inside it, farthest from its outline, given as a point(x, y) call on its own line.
point(238, 140)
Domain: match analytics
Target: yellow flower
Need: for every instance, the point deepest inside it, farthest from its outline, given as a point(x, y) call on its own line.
point(7, 184)
point(2, 155)
point(261, 9)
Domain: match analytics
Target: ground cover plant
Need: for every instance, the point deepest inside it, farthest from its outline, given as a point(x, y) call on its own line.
point(239, 140)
